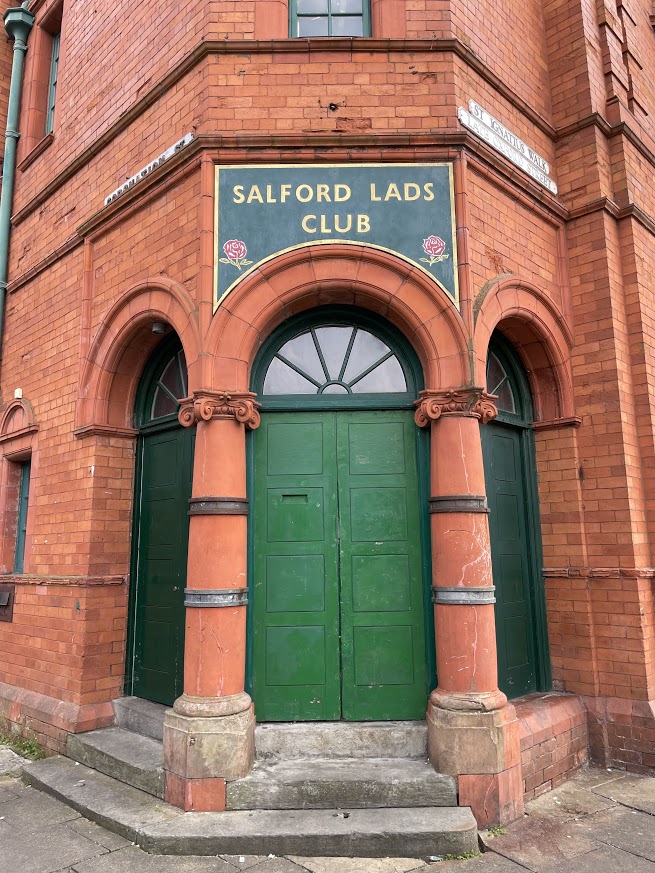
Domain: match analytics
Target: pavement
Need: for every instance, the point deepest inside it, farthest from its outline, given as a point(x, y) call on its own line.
point(601, 821)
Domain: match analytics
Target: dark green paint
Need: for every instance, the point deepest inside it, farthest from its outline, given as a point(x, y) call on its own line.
point(21, 526)
point(337, 593)
point(155, 664)
point(510, 474)
point(395, 225)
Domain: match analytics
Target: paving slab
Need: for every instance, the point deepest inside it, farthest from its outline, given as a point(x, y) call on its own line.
point(30, 808)
point(568, 801)
point(487, 863)
point(589, 779)
point(607, 860)
point(635, 791)
point(627, 829)
point(242, 862)
point(10, 762)
point(44, 849)
point(10, 788)
point(96, 834)
point(541, 843)
point(134, 860)
point(278, 865)
point(360, 865)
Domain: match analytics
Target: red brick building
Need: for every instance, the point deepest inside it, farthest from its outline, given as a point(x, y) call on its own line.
point(294, 349)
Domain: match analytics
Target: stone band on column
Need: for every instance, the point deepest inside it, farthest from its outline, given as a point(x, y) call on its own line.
point(464, 596)
point(459, 503)
point(218, 506)
point(215, 598)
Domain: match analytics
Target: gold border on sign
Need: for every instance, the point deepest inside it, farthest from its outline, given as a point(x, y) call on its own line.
point(218, 167)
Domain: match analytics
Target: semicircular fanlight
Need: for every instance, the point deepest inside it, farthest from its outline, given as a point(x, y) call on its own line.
point(335, 359)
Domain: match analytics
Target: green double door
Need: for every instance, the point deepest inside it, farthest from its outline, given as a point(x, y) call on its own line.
point(338, 606)
point(160, 563)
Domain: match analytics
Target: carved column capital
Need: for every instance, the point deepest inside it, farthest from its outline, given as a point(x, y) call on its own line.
point(467, 401)
point(205, 405)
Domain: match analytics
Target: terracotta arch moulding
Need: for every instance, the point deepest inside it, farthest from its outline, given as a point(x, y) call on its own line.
point(541, 336)
point(111, 372)
point(316, 276)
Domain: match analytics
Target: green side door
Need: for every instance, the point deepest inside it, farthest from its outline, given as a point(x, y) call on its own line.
point(162, 531)
point(337, 594)
point(510, 557)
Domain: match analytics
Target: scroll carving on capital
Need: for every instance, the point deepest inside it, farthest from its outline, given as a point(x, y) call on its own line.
point(468, 401)
point(205, 405)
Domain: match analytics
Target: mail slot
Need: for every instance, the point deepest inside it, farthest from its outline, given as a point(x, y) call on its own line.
point(7, 602)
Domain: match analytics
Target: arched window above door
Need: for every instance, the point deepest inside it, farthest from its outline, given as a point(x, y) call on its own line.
point(336, 358)
point(163, 384)
point(507, 379)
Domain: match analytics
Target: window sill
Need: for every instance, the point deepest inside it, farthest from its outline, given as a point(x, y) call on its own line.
point(38, 149)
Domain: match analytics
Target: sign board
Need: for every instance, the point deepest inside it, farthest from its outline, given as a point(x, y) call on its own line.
point(507, 143)
point(149, 168)
point(406, 209)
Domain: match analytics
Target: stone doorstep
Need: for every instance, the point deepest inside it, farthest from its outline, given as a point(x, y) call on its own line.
point(140, 716)
point(358, 783)
point(121, 754)
point(163, 829)
point(393, 739)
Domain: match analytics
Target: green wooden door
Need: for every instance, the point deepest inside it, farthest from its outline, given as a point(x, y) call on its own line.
point(510, 558)
point(161, 562)
point(511, 483)
point(338, 605)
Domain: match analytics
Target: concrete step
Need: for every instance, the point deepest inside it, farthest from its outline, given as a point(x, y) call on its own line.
point(340, 739)
point(140, 716)
point(122, 754)
point(342, 783)
point(164, 830)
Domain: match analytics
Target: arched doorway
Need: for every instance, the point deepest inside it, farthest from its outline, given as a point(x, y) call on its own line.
point(511, 484)
point(340, 579)
point(164, 466)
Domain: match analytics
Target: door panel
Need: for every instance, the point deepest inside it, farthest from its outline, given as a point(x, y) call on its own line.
point(162, 530)
point(296, 597)
point(382, 616)
point(506, 493)
point(338, 605)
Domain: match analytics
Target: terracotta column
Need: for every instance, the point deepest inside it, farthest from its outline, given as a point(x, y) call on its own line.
point(209, 734)
point(472, 731)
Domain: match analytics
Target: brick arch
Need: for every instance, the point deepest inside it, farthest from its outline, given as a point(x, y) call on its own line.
point(122, 345)
point(540, 335)
point(346, 274)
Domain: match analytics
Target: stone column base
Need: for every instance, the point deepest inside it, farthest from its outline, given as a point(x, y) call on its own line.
point(483, 750)
point(207, 742)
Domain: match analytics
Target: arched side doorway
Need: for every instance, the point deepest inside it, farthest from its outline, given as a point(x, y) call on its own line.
point(164, 466)
point(340, 617)
point(511, 484)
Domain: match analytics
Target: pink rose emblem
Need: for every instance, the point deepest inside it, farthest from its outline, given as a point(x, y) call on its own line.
point(435, 247)
point(235, 249)
point(236, 252)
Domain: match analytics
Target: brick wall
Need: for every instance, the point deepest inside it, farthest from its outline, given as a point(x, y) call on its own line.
point(553, 741)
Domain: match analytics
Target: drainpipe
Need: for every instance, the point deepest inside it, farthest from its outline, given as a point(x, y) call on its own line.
point(18, 24)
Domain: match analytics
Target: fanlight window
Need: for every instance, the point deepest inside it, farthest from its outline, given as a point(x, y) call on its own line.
point(498, 383)
point(170, 387)
point(335, 360)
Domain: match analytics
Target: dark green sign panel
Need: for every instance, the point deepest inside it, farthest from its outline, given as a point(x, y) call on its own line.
point(406, 209)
